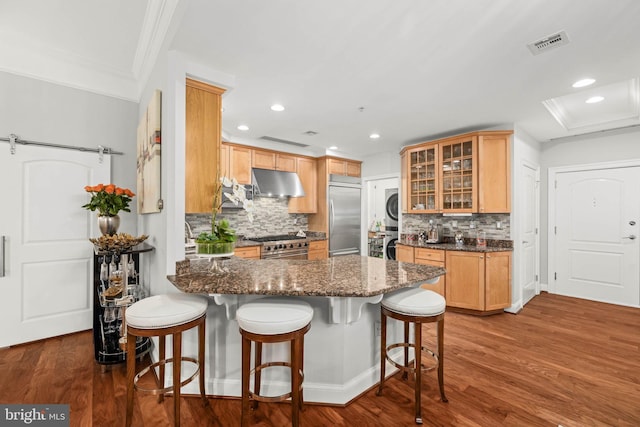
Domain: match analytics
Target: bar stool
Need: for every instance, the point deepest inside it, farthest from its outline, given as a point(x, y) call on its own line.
point(273, 320)
point(159, 316)
point(417, 306)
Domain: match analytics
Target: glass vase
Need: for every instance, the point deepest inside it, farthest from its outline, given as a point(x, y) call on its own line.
point(215, 248)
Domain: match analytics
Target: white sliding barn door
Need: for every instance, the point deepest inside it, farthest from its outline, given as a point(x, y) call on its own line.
point(597, 235)
point(46, 289)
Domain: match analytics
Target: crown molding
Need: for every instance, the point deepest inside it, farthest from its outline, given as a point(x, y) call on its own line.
point(31, 58)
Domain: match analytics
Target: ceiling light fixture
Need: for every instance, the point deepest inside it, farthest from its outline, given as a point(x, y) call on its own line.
point(374, 136)
point(594, 99)
point(243, 127)
point(333, 147)
point(583, 83)
point(277, 107)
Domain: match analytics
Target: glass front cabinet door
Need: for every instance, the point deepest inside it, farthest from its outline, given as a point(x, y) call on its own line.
point(423, 179)
point(458, 163)
point(468, 173)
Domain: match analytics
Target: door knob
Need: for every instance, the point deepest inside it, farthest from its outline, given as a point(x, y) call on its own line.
point(631, 237)
point(632, 223)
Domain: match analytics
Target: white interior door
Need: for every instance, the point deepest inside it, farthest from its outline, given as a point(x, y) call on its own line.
point(529, 224)
point(47, 284)
point(597, 245)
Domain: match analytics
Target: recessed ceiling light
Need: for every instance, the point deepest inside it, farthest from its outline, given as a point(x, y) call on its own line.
point(583, 83)
point(333, 147)
point(243, 127)
point(374, 136)
point(594, 99)
point(277, 107)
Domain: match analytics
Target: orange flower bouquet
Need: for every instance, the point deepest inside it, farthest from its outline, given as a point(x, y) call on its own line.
point(109, 199)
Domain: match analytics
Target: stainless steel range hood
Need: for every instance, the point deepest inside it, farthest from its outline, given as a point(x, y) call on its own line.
point(270, 183)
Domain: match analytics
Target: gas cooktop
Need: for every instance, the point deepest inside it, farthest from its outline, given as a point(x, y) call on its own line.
point(275, 238)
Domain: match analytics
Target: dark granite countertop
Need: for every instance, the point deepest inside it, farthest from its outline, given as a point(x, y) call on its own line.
point(493, 245)
point(345, 276)
point(453, 247)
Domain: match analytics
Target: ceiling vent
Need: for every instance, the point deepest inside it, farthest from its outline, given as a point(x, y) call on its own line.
point(283, 141)
point(548, 43)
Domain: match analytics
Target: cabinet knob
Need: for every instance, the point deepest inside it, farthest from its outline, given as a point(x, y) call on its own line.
point(481, 257)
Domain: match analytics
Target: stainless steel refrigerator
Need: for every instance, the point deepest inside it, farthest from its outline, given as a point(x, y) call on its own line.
point(344, 215)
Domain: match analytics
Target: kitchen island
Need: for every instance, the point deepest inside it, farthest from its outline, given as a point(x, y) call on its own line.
point(342, 349)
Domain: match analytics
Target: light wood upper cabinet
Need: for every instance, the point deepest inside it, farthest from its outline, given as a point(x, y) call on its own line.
point(286, 163)
point(494, 175)
point(469, 173)
point(306, 169)
point(346, 167)
point(224, 160)
point(421, 169)
point(240, 163)
point(353, 168)
point(202, 144)
point(263, 159)
point(272, 160)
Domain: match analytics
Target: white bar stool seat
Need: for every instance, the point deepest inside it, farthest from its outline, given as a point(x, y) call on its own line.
point(417, 306)
point(162, 315)
point(273, 320)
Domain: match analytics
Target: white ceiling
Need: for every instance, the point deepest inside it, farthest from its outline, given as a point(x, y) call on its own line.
point(420, 69)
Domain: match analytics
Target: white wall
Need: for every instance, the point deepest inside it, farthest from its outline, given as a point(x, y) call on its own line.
point(524, 149)
point(381, 164)
point(40, 111)
point(606, 147)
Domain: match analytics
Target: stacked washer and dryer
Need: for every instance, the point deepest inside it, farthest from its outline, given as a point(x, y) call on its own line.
point(390, 223)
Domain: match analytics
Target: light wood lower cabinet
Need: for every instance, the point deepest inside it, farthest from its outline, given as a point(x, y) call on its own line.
point(404, 253)
point(317, 250)
point(435, 257)
point(478, 280)
point(251, 252)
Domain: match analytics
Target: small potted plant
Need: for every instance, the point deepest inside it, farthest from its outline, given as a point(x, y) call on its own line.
point(221, 239)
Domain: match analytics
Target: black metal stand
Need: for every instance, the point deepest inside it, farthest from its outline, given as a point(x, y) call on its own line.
point(109, 311)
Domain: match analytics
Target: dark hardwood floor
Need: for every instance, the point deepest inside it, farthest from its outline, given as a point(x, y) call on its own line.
point(561, 361)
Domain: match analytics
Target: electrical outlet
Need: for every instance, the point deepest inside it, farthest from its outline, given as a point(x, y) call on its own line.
point(454, 224)
point(472, 224)
point(499, 225)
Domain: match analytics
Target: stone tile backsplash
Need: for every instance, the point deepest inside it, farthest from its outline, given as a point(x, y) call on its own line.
point(271, 217)
point(414, 223)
